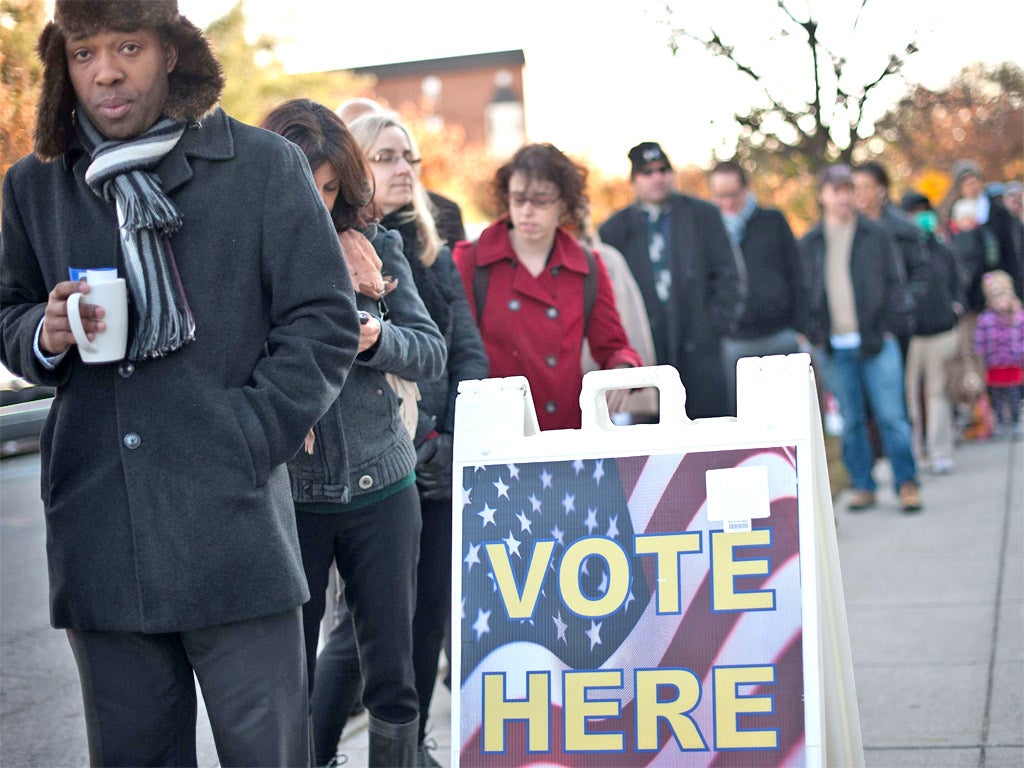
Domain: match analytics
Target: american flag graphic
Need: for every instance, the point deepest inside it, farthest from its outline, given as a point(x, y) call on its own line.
point(521, 506)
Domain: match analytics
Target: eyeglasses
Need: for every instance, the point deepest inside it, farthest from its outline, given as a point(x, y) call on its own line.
point(652, 171)
point(390, 157)
point(517, 200)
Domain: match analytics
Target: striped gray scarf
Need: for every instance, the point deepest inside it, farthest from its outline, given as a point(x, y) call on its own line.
point(122, 172)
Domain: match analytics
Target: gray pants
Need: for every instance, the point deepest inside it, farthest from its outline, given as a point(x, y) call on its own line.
point(140, 695)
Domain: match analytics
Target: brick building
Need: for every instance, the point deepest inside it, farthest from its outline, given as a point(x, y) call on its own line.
point(482, 92)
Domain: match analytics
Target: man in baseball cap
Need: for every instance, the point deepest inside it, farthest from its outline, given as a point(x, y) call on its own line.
point(692, 280)
point(856, 303)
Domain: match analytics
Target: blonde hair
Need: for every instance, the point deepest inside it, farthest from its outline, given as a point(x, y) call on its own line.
point(366, 130)
point(998, 283)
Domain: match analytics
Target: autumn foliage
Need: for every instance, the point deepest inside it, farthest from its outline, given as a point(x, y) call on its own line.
point(21, 21)
point(979, 115)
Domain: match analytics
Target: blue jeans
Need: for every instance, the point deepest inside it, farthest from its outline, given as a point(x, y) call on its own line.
point(877, 380)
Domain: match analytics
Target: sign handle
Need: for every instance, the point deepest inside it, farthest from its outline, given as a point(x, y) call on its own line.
point(665, 378)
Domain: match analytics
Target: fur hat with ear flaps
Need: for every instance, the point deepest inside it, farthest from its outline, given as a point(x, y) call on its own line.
point(194, 86)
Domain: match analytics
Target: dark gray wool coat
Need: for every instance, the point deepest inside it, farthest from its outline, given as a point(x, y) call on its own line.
point(166, 496)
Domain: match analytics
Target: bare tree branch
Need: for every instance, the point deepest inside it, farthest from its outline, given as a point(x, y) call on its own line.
point(860, 10)
point(717, 47)
point(813, 124)
point(892, 67)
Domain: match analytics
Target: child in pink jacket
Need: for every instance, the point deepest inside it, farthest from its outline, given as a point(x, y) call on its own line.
point(999, 339)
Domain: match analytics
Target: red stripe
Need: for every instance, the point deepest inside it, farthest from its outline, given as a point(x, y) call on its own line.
point(698, 638)
point(788, 686)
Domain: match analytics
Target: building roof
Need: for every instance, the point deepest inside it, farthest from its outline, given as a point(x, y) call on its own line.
point(514, 58)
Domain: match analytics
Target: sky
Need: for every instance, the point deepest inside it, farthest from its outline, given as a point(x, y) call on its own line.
point(600, 76)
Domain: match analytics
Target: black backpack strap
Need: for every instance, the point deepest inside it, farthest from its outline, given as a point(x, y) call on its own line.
point(589, 288)
point(480, 277)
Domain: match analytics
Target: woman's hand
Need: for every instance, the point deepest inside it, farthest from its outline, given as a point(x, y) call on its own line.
point(617, 397)
point(617, 400)
point(369, 331)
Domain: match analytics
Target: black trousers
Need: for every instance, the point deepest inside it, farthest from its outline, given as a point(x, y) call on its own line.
point(433, 599)
point(703, 375)
point(338, 678)
point(140, 696)
point(376, 550)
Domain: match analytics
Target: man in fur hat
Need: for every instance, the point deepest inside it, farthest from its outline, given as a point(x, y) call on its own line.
point(170, 529)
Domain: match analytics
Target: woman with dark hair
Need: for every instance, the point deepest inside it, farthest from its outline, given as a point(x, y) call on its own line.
point(356, 503)
point(536, 293)
point(401, 199)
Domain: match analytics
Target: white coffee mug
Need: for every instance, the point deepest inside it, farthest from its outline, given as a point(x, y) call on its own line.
point(109, 345)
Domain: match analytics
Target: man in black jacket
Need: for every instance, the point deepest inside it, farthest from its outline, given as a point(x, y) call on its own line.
point(934, 343)
point(856, 303)
point(871, 198)
point(692, 281)
point(171, 538)
point(775, 308)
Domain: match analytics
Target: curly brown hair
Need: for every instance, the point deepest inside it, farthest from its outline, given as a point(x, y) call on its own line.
point(545, 162)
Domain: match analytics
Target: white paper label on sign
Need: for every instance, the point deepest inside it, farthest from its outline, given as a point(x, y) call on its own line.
point(737, 495)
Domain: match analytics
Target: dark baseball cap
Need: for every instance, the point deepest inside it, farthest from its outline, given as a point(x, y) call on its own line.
point(647, 152)
point(914, 201)
point(836, 174)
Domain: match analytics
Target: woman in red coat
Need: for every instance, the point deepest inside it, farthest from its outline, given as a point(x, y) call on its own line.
point(535, 292)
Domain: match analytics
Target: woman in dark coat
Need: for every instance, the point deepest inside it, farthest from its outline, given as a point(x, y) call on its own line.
point(402, 201)
point(367, 522)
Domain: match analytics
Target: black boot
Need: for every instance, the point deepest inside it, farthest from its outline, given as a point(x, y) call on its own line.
point(393, 745)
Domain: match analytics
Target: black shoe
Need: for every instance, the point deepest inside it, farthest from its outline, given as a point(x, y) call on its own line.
point(423, 757)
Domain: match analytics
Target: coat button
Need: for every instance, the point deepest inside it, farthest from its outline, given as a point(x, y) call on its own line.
point(380, 392)
point(132, 441)
point(555, 271)
point(552, 312)
point(126, 369)
point(514, 305)
point(551, 360)
point(366, 482)
point(550, 406)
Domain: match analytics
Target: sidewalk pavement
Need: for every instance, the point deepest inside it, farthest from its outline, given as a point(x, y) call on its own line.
point(935, 604)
